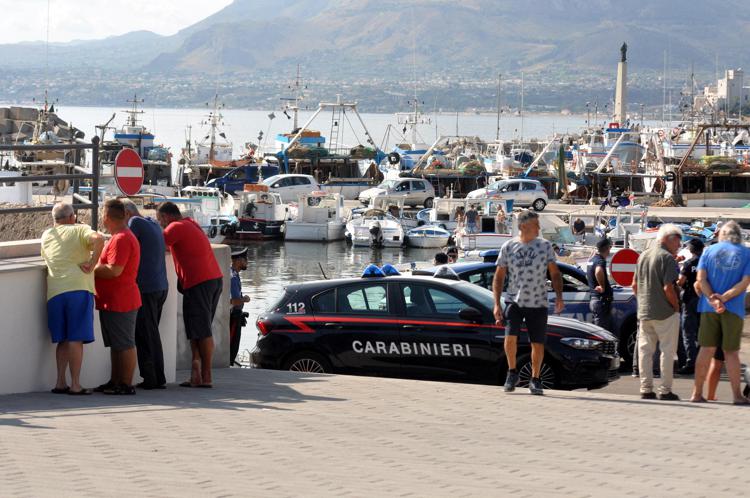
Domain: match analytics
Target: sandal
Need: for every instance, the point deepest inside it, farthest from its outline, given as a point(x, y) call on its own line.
point(118, 390)
point(187, 383)
point(741, 402)
point(60, 390)
point(699, 400)
point(107, 385)
point(82, 392)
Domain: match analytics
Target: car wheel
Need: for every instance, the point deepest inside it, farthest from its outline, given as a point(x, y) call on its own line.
point(428, 203)
point(308, 362)
point(549, 376)
point(627, 346)
point(539, 205)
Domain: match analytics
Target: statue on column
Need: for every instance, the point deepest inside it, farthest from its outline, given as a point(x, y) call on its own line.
point(624, 52)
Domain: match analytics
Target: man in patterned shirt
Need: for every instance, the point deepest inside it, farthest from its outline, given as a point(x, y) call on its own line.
point(526, 259)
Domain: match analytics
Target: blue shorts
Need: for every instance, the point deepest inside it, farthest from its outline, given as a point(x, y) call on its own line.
point(70, 317)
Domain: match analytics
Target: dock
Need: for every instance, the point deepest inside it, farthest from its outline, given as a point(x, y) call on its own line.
point(272, 433)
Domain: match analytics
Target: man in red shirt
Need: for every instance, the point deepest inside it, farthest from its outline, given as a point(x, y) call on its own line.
point(199, 280)
point(118, 298)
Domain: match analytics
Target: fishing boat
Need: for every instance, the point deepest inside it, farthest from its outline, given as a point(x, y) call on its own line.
point(212, 156)
point(374, 228)
point(320, 217)
point(156, 159)
point(428, 237)
point(261, 215)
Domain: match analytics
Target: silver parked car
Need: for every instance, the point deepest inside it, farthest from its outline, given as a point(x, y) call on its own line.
point(524, 192)
point(413, 191)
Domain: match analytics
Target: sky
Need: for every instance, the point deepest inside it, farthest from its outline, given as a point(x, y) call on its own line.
point(26, 20)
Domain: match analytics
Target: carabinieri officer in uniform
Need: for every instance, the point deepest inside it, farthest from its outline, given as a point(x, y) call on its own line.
point(237, 319)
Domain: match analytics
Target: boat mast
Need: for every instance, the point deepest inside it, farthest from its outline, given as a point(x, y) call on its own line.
point(497, 134)
point(522, 95)
point(134, 112)
point(294, 101)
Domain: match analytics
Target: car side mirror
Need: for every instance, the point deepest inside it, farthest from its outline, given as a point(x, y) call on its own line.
point(472, 315)
point(504, 189)
point(275, 185)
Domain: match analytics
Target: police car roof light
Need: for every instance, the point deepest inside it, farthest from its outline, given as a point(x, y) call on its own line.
point(390, 270)
point(489, 255)
point(372, 271)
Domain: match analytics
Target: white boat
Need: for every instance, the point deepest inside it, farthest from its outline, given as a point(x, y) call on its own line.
point(427, 237)
point(215, 211)
point(320, 217)
point(374, 228)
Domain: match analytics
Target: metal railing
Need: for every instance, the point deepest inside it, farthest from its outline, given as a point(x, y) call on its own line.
point(80, 173)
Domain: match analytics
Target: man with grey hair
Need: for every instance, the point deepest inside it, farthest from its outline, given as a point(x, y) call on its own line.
point(152, 284)
point(70, 251)
point(654, 283)
point(723, 277)
point(526, 259)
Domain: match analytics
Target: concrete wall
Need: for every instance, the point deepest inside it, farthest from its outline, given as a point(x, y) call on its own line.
point(27, 357)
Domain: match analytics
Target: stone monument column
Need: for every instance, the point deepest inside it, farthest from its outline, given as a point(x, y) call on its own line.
point(621, 91)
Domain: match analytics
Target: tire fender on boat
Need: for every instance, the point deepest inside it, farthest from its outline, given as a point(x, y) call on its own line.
point(394, 158)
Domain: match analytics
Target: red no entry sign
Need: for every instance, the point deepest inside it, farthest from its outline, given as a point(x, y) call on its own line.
point(623, 266)
point(128, 172)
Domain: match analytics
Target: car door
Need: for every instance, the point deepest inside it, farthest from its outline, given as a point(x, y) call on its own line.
point(401, 190)
point(235, 181)
point(526, 194)
point(436, 342)
point(417, 193)
point(575, 295)
point(356, 328)
point(301, 186)
point(510, 191)
point(285, 188)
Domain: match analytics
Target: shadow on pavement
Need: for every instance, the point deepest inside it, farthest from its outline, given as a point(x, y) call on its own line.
point(234, 389)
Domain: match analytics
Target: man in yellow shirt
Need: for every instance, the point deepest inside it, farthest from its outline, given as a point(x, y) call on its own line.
point(70, 251)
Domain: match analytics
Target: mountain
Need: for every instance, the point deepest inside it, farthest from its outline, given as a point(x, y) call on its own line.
point(383, 38)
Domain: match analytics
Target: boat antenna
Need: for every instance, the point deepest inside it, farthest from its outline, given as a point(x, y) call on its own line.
point(46, 58)
point(322, 271)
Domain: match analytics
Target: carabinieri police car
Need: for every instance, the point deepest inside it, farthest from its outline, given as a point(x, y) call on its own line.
point(575, 295)
point(419, 327)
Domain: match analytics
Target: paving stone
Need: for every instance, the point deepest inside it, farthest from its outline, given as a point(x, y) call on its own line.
point(284, 434)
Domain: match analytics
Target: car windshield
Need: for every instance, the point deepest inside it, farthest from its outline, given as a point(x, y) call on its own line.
point(271, 179)
point(497, 185)
point(388, 184)
point(480, 294)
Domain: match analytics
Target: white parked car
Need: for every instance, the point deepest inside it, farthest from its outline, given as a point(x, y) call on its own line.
point(290, 186)
point(413, 192)
point(523, 192)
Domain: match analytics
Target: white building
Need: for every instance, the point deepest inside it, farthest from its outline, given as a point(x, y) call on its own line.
point(727, 95)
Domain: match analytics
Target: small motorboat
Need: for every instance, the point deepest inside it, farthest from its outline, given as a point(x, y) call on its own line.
point(320, 217)
point(261, 215)
point(427, 237)
point(374, 228)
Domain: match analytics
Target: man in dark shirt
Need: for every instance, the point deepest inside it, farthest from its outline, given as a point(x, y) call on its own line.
point(579, 228)
point(152, 284)
point(600, 288)
point(471, 219)
point(688, 347)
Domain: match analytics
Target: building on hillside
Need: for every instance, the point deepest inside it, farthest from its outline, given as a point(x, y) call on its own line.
point(728, 95)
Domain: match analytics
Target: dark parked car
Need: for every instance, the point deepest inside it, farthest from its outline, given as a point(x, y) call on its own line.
point(419, 327)
point(575, 294)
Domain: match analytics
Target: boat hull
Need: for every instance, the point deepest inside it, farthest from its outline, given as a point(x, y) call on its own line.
point(255, 229)
point(427, 242)
point(314, 231)
point(467, 242)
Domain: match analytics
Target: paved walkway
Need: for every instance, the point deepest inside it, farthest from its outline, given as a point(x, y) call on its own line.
point(267, 433)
